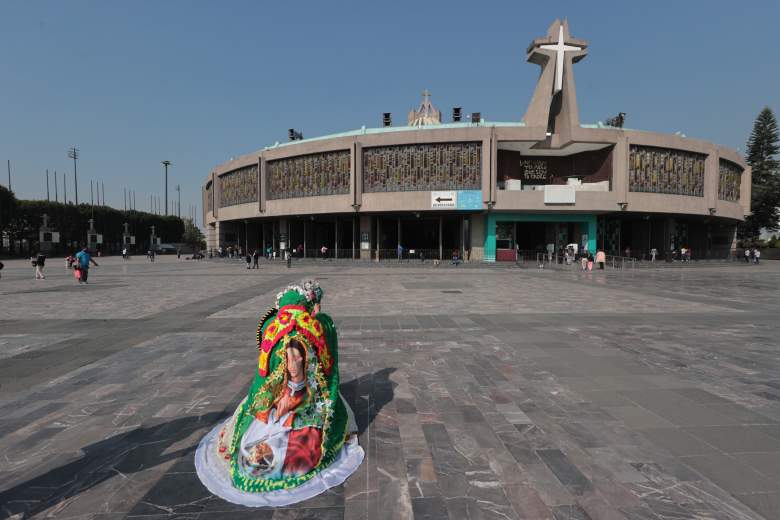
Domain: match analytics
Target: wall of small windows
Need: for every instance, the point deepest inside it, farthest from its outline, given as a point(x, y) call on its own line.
point(729, 181)
point(309, 175)
point(420, 167)
point(238, 186)
point(664, 170)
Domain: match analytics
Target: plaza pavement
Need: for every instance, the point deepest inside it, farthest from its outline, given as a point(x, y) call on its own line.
point(479, 393)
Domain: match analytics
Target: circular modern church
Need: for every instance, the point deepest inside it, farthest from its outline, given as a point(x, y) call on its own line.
point(484, 189)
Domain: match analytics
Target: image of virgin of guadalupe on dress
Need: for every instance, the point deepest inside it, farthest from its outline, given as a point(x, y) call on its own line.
point(293, 436)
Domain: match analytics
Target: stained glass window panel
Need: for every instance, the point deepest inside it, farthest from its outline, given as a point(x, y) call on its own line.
point(238, 186)
point(663, 170)
point(421, 167)
point(730, 181)
point(309, 175)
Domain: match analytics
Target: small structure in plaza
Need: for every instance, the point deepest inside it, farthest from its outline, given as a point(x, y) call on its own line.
point(484, 190)
point(46, 235)
point(128, 240)
point(94, 239)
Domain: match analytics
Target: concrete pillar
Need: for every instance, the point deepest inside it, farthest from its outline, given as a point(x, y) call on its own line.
point(441, 244)
point(261, 184)
point(356, 178)
point(620, 158)
point(284, 235)
point(711, 178)
point(364, 228)
point(378, 236)
point(461, 238)
point(477, 230)
point(336, 241)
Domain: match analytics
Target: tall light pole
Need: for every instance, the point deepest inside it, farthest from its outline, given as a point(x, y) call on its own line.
point(166, 163)
point(56, 190)
point(47, 186)
point(9, 174)
point(73, 153)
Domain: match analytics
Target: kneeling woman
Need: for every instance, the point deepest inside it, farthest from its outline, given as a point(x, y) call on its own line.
point(291, 437)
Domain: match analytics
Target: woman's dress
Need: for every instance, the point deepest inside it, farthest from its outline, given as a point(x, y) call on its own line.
point(286, 441)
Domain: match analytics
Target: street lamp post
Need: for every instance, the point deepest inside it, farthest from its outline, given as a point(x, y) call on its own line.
point(73, 153)
point(166, 163)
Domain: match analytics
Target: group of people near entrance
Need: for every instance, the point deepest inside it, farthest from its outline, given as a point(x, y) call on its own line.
point(293, 436)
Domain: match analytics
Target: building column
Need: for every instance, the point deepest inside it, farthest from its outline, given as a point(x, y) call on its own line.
point(461, 238)
point(364, 227)
point(477, 229)
point(378, 237)
point(441, 244)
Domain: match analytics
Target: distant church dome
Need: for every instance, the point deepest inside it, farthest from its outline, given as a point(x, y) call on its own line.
point(426, 114)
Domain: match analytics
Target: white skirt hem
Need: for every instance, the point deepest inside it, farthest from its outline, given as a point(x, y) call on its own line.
point(214, 474)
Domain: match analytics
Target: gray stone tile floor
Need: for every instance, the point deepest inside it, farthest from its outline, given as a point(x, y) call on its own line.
point(479, 393)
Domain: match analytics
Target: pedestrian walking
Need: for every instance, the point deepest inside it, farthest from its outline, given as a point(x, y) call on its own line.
point(288, 258)
point(255, 259)
point(601, 259)
point(747, 255)
point(178, 253)
point(1, 269)
point(83, 259)
point(400, 252)
point(248, 259)
point(39, 262)
point(324, 251)
point(124, 253)
point(757, 255)
point(584, 262)
point(653, 253)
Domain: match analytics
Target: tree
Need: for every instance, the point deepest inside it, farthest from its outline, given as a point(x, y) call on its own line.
point(762, 147)
point(8, 207)
point(192, 236)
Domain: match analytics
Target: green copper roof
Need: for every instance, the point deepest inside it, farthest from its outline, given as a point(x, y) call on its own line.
point(389, 129)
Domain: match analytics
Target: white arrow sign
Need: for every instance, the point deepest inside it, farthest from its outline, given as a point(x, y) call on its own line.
point(444, 199)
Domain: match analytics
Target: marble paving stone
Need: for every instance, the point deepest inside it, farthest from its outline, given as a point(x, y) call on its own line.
point(566, 472)
point(678, 441)
point(734, 439)
point(730, 474)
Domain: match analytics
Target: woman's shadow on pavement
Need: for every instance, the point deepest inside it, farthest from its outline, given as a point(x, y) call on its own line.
point(146, 447)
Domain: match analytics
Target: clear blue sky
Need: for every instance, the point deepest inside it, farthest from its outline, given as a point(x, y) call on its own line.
point(196, 82)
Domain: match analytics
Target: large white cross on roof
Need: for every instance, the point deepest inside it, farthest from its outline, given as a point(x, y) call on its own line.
point(560, 48)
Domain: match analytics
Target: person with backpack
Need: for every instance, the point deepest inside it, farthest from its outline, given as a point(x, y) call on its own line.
point(1, 269)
